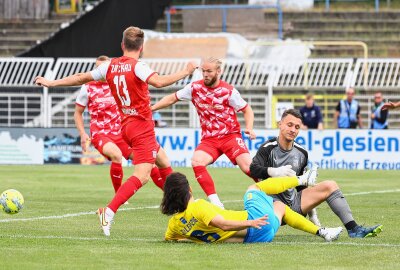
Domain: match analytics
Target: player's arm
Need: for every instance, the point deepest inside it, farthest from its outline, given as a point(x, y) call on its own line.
point(73, 80)
point(240, 105)
point(183, 94)
point(390, 105)
point(259, 165)
point(238, 225)
point(79, 123)
point(261, 168)
point(165, 102)
point(159, 81)
point(248, 115)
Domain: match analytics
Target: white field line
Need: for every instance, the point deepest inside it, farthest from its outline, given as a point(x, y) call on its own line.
point(157, 206)
point(278, 243)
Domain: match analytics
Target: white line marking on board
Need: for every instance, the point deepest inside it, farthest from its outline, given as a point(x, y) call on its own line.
point(280, 243)
point(157, 206)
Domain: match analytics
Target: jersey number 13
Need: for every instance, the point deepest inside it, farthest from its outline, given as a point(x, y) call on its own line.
point(123, 93)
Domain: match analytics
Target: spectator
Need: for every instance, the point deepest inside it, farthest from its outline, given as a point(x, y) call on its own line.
point(347, 114)
point(379, 116)
point(311, 113)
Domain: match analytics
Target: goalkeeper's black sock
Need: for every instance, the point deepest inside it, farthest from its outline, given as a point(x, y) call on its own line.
point(350, 225)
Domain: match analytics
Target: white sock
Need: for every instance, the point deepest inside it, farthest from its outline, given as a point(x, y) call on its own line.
point(214, 199)
point(110, 212)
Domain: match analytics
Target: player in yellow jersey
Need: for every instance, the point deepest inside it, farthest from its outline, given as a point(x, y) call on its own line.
point(201, 221)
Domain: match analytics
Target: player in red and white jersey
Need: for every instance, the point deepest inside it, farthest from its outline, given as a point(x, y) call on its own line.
point(105, 127)
point(128, 79)
point(217, 103)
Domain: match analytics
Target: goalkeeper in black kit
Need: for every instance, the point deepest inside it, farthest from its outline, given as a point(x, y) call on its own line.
point(282, 156)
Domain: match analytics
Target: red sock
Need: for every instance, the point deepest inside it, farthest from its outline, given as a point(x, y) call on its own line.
point(204, 179)
point(164, 172)
point(130, 187)
point(249, 175)
point(156, 177)
point(117, 174)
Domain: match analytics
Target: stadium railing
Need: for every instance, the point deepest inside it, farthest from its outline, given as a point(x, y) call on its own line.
point(23, 104)
point(224, 9)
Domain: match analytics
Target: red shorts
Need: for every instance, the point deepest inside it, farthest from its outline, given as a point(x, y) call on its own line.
point(232, 145)
point(101, 139)
point(140, 135)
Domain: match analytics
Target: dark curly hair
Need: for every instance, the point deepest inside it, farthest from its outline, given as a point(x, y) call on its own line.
point(176, 194)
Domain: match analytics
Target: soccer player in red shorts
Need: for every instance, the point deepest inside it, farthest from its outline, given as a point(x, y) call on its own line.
point(216, 103)
point(128, 79)
point(105, 127)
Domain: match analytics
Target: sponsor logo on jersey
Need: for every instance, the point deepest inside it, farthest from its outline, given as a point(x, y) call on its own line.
point(127, 111)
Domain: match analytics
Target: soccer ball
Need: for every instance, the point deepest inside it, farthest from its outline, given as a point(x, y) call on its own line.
point(11, 201)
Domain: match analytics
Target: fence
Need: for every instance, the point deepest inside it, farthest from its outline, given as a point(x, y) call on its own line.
point(23, 104)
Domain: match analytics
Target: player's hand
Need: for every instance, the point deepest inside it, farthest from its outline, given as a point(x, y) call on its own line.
point(191, 67)
point(85, 141)
point(251, 133)
point(388, 106)
point(259, 222)
point(40, 81)
point(281, 171)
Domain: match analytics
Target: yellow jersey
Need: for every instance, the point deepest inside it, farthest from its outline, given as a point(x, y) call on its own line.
point(194, 223)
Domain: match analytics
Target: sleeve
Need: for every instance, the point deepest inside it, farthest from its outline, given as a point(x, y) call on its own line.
point(236, 101)
point(358, 110)
point(204, 212)
point(143, 71)
point(338, 107)
point(319, 115)
point(100, 72)
point(82, 98)
point(170, 235)
point(259, 165)
point(185, 93)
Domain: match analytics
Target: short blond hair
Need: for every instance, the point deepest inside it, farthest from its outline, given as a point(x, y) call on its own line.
point(102, 58)
point(214, 60)
point(133, 38)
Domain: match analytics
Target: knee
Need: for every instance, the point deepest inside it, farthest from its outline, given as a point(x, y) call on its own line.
point(115, 157)
point(143, 178)
point(279, 208)
point(330, 186)
point(197, 162)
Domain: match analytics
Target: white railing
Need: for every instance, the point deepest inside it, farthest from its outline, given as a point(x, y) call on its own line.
point(20, 72)
point(377, 74)
point(256, 79)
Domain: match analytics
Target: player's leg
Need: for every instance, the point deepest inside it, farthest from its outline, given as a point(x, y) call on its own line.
point(205, 154)
point(112, 151)
point(107, 146)
point(293, 219)
point(144, 147)
point(329, 191)
point(299, 222)
point(164, 168)
point(235, 149)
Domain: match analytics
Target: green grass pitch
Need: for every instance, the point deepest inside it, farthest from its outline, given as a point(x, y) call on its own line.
point(41, 236)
